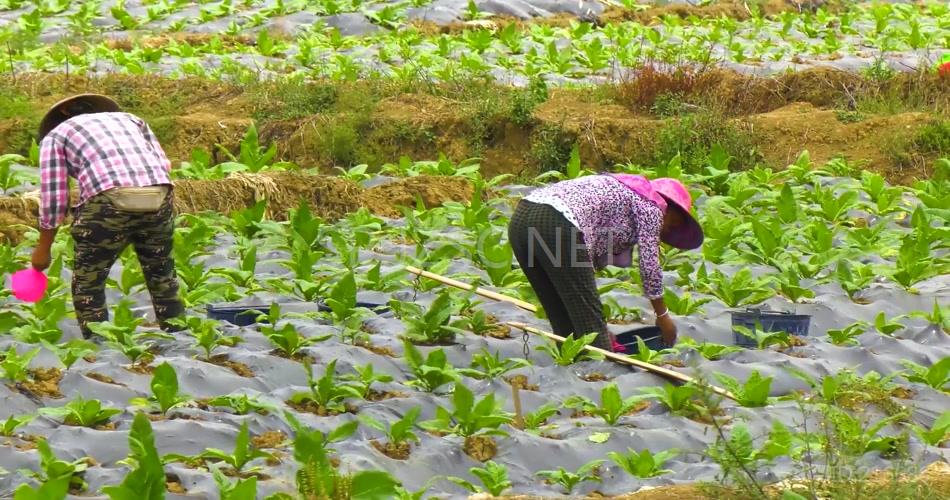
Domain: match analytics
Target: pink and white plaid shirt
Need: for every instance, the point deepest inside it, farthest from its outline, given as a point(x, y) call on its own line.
point(101, 151)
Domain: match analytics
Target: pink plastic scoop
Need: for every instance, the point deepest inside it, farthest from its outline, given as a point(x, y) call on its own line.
point(28, 285)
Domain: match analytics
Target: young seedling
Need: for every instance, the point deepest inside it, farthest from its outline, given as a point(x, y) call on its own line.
point(569, 480)
point(468, 417)
point(677, 399)
point(846, 336)
point(244, 452)
point(428, 325)
point(883, 325)
point(15, 366)
point(242, 404)
point(494, 478)
point(399, 433)
point(363, 379)
point(70, 352)
point(764, 339)
point(318, 478)
point(937, 433)
point(81, 412)
point(165, 395)
point(936, 376)
point(207, 335)
point(241, 489)
point(432, 372)
point(643, 464)
point(57, 477)
point(571, 350)
point(146, 480)
point(327, 393)
point(488, 366)
point(612, 405)
point(535, 422)
point(753, 394)
point(11, 424)
point(711, 351)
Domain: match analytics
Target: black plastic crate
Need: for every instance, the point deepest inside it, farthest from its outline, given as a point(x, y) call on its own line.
point(238, 315)
point(651, 336)
point(768, 321)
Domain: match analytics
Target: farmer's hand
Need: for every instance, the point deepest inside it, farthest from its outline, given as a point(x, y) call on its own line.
point(41, 258)
point(667, 328)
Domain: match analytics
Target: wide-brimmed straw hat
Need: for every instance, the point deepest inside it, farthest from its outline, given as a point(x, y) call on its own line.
point(688, 235)
point(55, 116)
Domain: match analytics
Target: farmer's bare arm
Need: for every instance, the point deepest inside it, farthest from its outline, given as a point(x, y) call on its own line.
point(41, 254)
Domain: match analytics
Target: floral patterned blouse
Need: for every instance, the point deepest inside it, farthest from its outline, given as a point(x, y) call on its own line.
point(612, 219)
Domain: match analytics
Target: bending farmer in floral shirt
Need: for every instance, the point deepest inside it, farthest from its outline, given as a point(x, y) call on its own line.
point(561, 233)
point(124, 198)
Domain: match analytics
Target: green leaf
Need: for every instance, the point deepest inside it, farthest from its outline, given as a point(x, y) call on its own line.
point(599, 437)
point(373, 485)
point(147, 480)
point(787, 206)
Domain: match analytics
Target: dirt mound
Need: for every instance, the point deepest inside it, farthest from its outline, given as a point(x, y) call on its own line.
point(785, 132)
point(433, 191)
point(329, 197)
point(732, 9)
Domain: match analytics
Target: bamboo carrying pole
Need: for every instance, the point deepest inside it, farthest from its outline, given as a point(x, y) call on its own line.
point(617, 358)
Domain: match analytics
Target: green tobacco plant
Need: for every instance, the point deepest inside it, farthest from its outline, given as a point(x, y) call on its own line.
point(612, 405)
point(431, 372)
point(146, 480)
point(241, 489)
point(937, 433)
point(327, 392)
point(710, 351)
point(70, 352)
point(15, 366)
point(81, 412)
point(429, 325)
point(206, 334)
point(252, 155)
point(643, 464)
point(10, 425)
point(739, 289)
point(242, 404)
point(677, 399)
point(488, 366)
point(848, 335)
point(883, 325)
point(571, 351)
point(287, 339)
point(364, 377)
point(56, 477)
point(535, 422)
point(165, 395)
point(42, 323)
point(683, 304)
point(469, 418)
point(763, 339)
point(318, 478)
point(754, 393)
point(569, 480)
point(493, 476)
point(398, 433)
point(936, 376)
point(244, 452)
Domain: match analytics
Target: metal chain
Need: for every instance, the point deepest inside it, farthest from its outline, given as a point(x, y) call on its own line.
point(526, 350)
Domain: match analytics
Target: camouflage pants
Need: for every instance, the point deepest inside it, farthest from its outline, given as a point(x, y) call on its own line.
point(101, 233)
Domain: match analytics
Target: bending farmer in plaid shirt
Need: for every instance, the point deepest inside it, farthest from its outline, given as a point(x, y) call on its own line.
point(125, 197)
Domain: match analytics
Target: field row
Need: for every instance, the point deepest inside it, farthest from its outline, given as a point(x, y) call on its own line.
point(223, 40)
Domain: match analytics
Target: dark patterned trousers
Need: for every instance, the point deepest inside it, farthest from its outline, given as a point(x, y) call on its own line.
point(101, 233)
point(554, 258)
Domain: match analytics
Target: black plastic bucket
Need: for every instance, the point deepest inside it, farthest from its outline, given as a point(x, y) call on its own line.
point(651, 336)
point(238, 315)
point(768, 321)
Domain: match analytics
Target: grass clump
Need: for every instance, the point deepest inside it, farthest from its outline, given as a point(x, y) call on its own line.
point(694, 135)
point(550, 148)
point(931, 141)
point(290, 100)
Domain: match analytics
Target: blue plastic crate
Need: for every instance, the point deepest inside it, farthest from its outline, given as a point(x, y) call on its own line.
point(651, 336)
point(768, 321)
point(237, 315)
